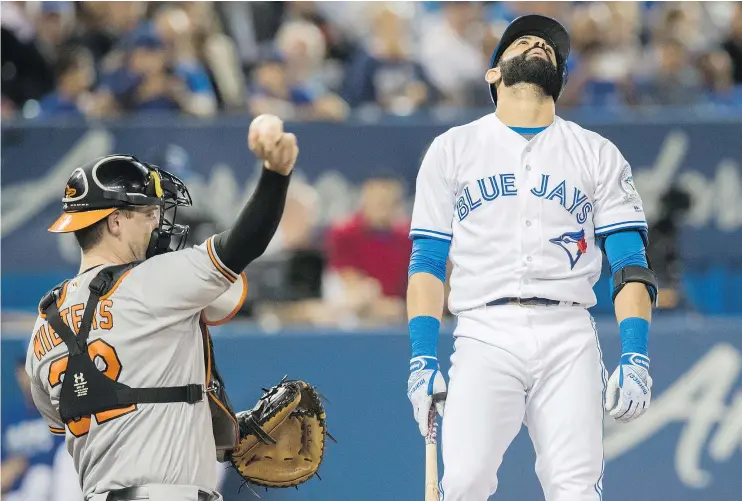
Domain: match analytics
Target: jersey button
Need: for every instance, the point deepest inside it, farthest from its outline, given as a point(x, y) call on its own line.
point(529, 259)
point(528, 167)
point(528, 149)
point(528, 223)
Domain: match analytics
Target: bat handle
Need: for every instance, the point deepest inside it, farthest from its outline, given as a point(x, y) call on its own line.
point(431, 472)
point(431, 452)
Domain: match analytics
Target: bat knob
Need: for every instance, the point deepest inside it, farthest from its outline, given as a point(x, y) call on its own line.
point(439, 397)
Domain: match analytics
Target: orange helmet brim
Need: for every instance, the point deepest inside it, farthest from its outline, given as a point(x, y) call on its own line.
point(73, 221)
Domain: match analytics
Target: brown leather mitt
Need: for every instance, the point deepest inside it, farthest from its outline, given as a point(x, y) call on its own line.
point(282, 439)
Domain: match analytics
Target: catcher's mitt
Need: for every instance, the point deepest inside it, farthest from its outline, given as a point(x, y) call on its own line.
point(282, 439)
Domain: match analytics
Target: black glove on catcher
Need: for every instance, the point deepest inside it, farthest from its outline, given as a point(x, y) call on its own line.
point(282, 439)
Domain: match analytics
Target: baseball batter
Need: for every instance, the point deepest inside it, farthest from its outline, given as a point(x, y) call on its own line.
point(524, 204)
point(143, 408)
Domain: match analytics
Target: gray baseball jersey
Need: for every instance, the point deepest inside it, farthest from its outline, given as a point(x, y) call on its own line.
point(146, 332)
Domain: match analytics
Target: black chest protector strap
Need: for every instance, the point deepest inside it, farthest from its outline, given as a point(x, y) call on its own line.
point(85, 389)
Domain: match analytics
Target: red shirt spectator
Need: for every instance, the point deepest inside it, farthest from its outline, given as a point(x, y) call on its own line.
point(374, 243)
point(380, 254)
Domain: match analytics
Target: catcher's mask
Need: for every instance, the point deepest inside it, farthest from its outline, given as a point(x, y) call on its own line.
point(100, 187)
point(544, 27)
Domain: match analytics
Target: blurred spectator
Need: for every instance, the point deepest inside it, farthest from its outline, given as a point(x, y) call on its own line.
point(55, 22)
point(663, 251)
point(173, 26)
point(369, 253)
point(144, 82)
point(304, 49)
point(252, 26)
point(218, 53)
point(272, 91)
point(604, 38)
point(93, 29)
point(733, 44)
point(298, 226)
point(682, 21)
point(676, 81)
point(451, 51)
point(385, 72)
point(75, 75)
point(28, 448)
point(718, 81)
point(338, 43)
point(26, 73)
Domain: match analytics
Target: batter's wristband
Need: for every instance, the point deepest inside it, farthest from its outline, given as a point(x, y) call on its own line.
point(424, 336)
point(634, 335)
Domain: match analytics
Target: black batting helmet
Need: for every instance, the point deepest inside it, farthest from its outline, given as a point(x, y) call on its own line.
point(102, 186)
point(541, 26)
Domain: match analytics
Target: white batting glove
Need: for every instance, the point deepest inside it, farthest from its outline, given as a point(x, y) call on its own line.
point(425, 381)
point(629, 388)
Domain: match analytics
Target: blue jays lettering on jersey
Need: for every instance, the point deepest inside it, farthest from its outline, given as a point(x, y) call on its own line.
point(495, 194)
point(488, 189)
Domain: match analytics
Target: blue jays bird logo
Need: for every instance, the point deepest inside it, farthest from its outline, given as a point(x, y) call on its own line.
point(573, 243)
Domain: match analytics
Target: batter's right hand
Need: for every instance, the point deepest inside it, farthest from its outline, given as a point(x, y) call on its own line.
point(425, 381)
point(267, 140)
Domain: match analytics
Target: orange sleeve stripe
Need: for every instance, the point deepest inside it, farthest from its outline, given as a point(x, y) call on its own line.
point(224, 271)
point(115, 286)
point(236, 308)
point(57, 431)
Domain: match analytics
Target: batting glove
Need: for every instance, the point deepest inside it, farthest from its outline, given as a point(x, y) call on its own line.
point(629, 388)
point(425, 380)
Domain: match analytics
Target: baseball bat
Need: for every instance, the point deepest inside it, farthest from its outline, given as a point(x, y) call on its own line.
point(431, 452)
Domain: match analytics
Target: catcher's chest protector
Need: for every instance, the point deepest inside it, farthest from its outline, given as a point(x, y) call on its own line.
point(86, 390)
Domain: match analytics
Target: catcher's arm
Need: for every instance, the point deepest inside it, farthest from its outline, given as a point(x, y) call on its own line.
point(255, 226)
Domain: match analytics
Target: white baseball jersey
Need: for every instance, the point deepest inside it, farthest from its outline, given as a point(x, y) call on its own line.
point(523, 216)
point(146, 332)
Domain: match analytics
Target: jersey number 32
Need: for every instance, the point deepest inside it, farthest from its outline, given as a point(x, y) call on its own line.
point(105, 352)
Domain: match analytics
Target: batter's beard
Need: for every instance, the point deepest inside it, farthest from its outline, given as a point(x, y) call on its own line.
point(536, 71)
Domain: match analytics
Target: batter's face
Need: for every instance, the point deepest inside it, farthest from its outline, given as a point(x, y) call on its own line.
point(531, 60)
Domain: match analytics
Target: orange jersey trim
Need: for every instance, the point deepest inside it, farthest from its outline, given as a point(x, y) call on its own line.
point(236, 308)
point(212, 255)
point(60, 301)
point(115, 286)
point(57, 431)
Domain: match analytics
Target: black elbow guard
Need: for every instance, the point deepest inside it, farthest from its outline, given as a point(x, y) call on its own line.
point(639, 274)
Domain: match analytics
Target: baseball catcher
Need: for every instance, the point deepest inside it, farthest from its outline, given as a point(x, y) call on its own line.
point(121, 360)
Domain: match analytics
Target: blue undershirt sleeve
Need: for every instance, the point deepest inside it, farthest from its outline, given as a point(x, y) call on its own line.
point(429, 255)
point(625, 248)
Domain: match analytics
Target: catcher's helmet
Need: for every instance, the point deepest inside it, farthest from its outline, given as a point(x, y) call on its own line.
point(102, 186)
point(541, 26)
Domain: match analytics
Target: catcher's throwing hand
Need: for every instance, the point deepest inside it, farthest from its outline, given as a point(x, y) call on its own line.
point(267, 140)
point(425, 380)
point(629, 388)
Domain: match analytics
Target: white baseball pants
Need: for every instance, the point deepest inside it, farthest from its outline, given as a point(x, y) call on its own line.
point(537, 365)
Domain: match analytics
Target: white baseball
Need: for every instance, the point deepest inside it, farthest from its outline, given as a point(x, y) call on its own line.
point(269, 128)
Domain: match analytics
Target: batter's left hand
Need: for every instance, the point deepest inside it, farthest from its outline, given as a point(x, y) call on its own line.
point(629, 388)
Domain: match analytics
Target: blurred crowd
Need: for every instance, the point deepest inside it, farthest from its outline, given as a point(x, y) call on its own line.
point(326, 60)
